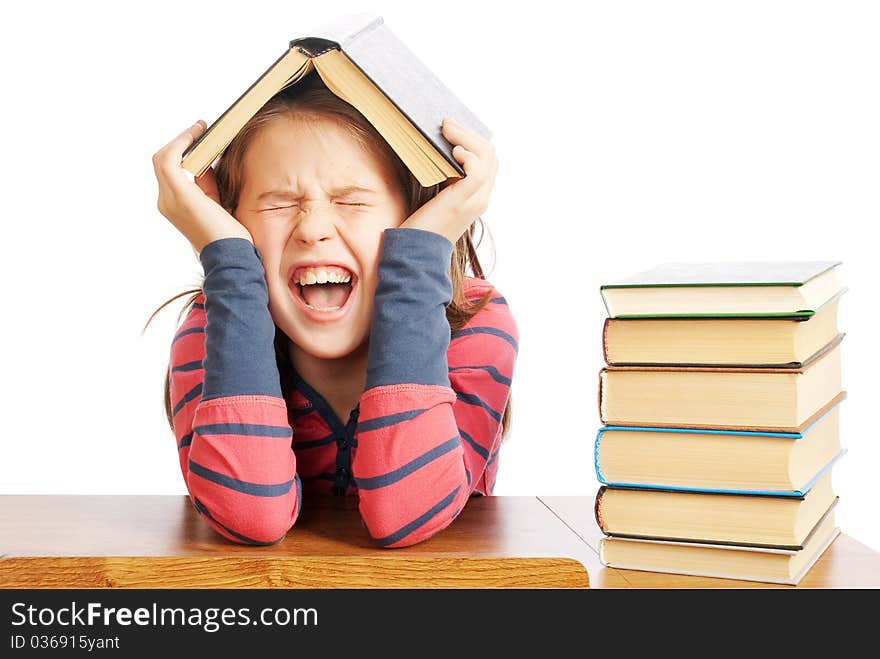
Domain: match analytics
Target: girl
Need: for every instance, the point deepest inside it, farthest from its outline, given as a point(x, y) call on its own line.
point(336, 346)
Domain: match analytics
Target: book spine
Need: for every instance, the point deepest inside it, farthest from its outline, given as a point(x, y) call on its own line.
point(605, 341)
point(598, 508)
point(601, 400)
point(605, 301)
point(599, 475)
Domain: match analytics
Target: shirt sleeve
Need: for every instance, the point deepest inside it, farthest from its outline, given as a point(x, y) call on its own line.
point(427, 427)
point(230, 419)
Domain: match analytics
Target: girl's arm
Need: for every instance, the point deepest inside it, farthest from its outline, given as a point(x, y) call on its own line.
point(229, 416)
point(427, 426)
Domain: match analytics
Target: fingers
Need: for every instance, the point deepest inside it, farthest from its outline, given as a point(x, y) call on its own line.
point(475, 153)
point(207, 182)
point(458, 134)
point(471, 193)
point(171, 154)
point(460, 201)
point(180, 143)
point(468, 159)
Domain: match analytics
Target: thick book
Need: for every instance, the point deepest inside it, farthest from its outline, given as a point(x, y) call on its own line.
point(768, 341)
point(726, 398)
point(724, 289)
point(777, 522)
point(738, 462)
point(782, 566)
point(360, 60)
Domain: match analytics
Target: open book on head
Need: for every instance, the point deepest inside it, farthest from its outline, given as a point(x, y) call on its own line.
point(360, 60)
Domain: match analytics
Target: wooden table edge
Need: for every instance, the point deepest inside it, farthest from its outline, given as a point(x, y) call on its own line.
point(311, 572)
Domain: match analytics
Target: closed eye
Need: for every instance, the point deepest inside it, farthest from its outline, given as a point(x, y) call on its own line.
point(341, 203)
point(277, 208)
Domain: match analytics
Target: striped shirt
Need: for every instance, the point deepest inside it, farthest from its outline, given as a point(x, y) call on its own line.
point(255, 441)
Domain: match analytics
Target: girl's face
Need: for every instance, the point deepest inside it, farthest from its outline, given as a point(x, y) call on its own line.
point(316, 204)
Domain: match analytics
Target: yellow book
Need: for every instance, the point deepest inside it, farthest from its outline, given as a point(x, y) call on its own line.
point(716, 560)
point(775, 398)
point(768, 342)
point(781, 522)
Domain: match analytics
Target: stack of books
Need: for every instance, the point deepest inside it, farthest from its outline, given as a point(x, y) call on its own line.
point(721, 410)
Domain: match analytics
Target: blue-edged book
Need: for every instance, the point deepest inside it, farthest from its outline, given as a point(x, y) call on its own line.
point(731, 461)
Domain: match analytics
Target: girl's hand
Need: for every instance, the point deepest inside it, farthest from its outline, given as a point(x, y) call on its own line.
point(455, 208)
point(192, 204)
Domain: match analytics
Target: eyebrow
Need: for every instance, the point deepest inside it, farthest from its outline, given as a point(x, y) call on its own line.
point(338, 192)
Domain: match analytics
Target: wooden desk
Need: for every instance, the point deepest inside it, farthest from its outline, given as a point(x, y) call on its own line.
point(104, 541)
point(51, 541)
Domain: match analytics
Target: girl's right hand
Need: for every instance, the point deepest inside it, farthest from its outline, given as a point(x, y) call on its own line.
point(192, 204)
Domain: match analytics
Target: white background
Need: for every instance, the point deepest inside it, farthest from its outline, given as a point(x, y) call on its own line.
point(629, 134)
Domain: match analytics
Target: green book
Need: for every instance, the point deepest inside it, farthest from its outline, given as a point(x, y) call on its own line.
point(744, 289)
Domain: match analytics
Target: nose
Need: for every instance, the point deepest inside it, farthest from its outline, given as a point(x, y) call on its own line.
point(315, 223)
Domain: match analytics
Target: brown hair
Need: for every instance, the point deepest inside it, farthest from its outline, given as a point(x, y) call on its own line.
point(310, 98)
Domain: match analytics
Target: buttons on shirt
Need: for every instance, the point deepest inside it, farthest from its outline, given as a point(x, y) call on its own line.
point(344, 442)
point(341, 484)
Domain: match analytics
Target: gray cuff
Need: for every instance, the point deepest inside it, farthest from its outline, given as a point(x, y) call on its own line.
point(410, 334)
point(240, 333)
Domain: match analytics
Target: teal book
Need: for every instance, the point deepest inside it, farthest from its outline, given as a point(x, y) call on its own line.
point(750, 462)
point(743, 289)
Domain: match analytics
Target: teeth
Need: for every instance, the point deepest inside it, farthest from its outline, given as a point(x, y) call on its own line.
point(321, 308)
point(321, 276)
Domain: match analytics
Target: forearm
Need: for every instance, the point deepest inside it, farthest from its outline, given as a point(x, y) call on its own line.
point(409, 334)
point(236, 458)
point(240, 356)
point(408, 465)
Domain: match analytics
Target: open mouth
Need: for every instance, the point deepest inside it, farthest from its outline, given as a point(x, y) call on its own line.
point(323, 288)
point(324, 297)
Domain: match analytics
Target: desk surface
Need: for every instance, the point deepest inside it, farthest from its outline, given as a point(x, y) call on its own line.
point(132, 541)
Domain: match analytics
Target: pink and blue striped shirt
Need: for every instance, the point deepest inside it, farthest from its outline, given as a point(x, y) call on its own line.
point(255, 441)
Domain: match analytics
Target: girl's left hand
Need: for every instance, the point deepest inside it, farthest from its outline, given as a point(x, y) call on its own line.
point(457, 205)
